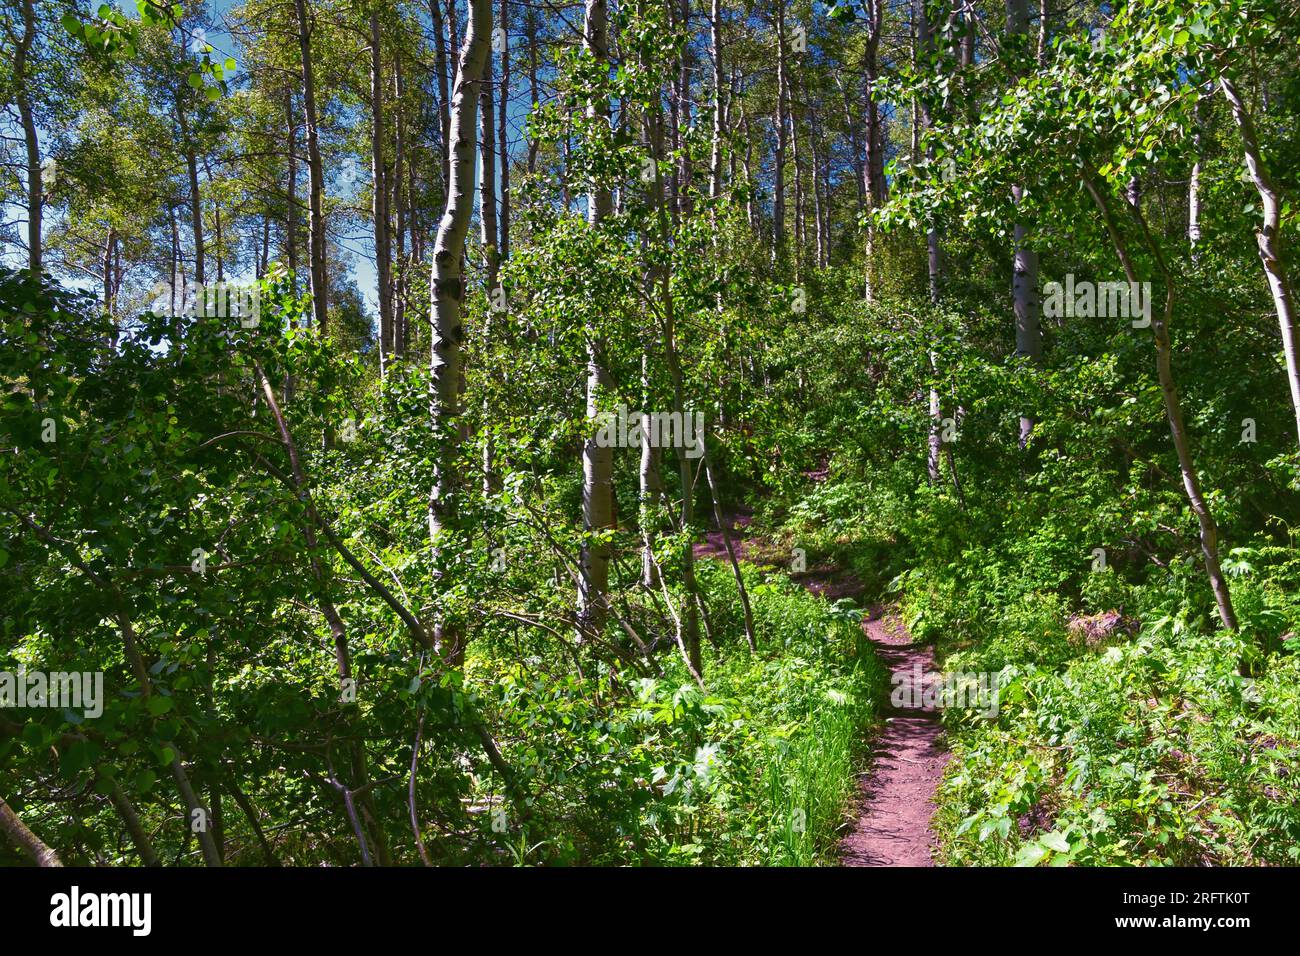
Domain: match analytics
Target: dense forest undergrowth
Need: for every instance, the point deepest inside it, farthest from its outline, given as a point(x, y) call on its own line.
point(372, 373)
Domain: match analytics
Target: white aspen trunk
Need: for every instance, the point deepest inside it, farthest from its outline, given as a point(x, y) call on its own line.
point(782, 108)
point(22, 837)
point(1024, 280)
point(1194, 183)
point(379, 206)
point(315, 175)
point(873, 161)
point(597, 461)
point(35, 187)
point(1268, 239)
point(401, 222)
point(487, 182)
point(925, 44)
point(715, 156)
point(448, 292)
point(503, 141)
point(440, 68)
point(196, 205)
point(1173, 404)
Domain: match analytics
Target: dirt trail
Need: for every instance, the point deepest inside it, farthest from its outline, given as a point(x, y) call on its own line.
point(907, 756)
point(907, 761)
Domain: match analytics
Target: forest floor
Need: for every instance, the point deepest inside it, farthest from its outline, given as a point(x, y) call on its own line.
point(896, 798)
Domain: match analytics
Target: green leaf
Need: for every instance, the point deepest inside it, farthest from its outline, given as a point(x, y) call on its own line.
point(34, 735)
point(1055, 841)
point(1031, 854)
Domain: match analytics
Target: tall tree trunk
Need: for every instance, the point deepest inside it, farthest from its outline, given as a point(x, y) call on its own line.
point(925, 46)
point(503, 138)
point(315, 174)
point(359, 781)
point(487, 183)
point(399, 194)
point(1194, 190)
point(682, 109)
point(220, 243)
point(747, 613)
point(597, 461)
point(820, 212)
point(689, 626)
point(1268, 238)
point(22, 837)
point(649, 479)
point(533, 89)
point(177, 268)
point(1169, 392)
point(196, 205)
point(751, 181)
point(291, 206)
point(1044, 14)
point(444, 103)
point(449, 293)
point(715, 155)
point(379, 198)
point(35, 185)
point(453, 37)
point(782, 109)
point(1024, 281)
point(109, 244)
point(264, 252)
point(796, 160)
point(873, 173)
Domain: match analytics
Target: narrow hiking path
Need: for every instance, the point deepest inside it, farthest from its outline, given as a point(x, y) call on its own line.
point(907, 762)
point(897, 790)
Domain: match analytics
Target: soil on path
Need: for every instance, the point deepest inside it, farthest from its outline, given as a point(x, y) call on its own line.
point(897, 790)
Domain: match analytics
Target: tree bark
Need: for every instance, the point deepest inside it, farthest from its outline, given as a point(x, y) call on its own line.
point(35, 184)
point(1268, 239)
point(741, 590)
point(444, 103)
point(782, 109)
point(379, 198)
point(196, 205)
point(503, 140)
point(1024, 281)
point(27, 841)
point(315, 174)
point(715, 155)
point(487, 182)
point(597, 461)
point(689, 623)
point(1169, 392)
point(925, 45)
point(873, 173)
point(291, 210)
point(449, 293)
point(401, 220)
